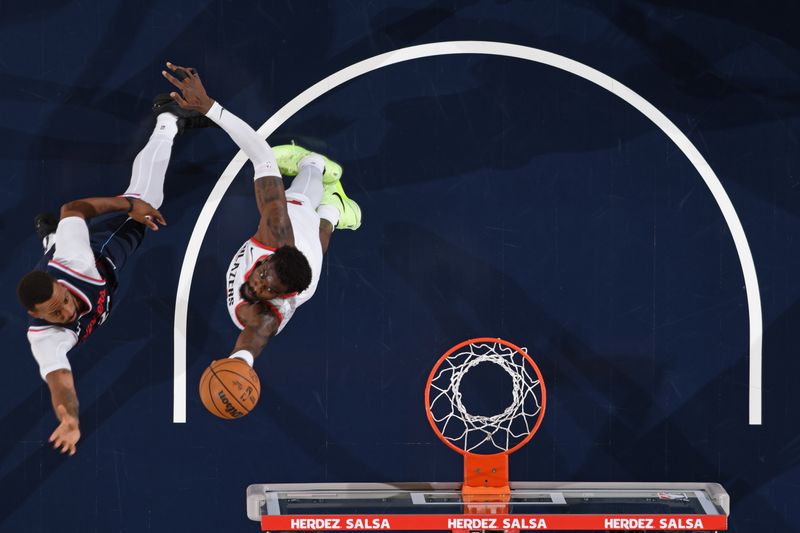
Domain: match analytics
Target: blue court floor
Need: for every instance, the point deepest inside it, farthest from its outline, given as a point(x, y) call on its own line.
point(521, 196)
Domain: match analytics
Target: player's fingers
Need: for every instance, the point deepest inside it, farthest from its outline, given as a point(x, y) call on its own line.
point(172, 79)
point(189, 71)
point(148, 221)
point(72, 450)
point(178, 97)
point(160, 218)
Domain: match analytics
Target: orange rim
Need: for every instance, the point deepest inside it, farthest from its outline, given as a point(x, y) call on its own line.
point(479, 340)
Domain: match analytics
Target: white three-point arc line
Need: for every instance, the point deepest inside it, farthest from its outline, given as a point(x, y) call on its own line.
point(484, 48)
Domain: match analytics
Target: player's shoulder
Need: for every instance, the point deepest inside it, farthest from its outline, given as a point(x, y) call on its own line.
point(259, 246)
point(250, 252)
point(82, 271)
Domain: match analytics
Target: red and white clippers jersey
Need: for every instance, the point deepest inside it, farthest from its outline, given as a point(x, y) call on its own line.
point(305, 226)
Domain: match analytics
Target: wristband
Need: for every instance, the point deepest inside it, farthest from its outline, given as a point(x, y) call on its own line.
point(244, 355)
point(130, 204)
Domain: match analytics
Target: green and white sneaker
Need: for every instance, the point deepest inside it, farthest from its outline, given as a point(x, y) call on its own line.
point(349, 211)
point(289, 156)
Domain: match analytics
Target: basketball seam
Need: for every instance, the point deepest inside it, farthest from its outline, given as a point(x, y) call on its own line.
point(211, 400)
point(255, 386)
point(222, 366)
point(230, 392)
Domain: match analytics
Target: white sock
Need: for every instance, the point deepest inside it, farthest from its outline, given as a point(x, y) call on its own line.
point(309, 178)
point(49, 241)
point(256, 148)
point(329, 212)
point(150, 165)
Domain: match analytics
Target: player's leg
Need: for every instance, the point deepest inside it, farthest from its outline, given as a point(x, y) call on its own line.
point(308, 181)
point(150, 165)
point(327, 197)
point(336, 210)
point(116, 237)
point(147, 183)
point(289, 156)
point(325, 232)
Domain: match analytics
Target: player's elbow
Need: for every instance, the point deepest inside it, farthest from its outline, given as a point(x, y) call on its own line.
point(67, 209)
point(62, 387)
point(74, 208)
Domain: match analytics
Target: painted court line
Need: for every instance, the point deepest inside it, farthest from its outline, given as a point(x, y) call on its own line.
point(483, 48)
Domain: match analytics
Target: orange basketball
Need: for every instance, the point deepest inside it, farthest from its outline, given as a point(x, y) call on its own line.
point(229, 388)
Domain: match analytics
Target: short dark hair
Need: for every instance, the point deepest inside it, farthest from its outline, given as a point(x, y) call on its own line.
point(34, 288)
point(292, 268)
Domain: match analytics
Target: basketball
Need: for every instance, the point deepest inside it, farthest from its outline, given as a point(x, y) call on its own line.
point(229, 388)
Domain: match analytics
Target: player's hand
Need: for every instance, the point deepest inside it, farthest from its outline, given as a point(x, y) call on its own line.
point(146, 214)
point(67, 434)
point(192, 94)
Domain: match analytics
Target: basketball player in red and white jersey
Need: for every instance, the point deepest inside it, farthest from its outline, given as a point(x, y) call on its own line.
point(278, 268)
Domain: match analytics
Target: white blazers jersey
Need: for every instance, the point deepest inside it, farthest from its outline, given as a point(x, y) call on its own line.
point(305, 226)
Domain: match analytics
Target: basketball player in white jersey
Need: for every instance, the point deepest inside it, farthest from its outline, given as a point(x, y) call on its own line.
point(72, 289)
point(278, 268)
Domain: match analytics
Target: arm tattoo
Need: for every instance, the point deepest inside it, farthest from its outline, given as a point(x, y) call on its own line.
point(275, 228)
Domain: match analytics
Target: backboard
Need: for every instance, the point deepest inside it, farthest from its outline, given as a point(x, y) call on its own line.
point(530, 505)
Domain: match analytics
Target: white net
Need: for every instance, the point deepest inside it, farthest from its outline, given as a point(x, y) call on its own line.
point(479, 433)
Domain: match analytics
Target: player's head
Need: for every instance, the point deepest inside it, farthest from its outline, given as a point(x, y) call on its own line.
point(284, 272)
point(46, 299)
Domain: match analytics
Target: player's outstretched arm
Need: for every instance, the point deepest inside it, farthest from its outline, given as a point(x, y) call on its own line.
point(138, 210)
point(65, 404)
point(260, 325)
point(274, 228)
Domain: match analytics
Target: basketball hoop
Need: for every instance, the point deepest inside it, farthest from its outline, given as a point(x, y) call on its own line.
point(485, 441)
point(485, 429)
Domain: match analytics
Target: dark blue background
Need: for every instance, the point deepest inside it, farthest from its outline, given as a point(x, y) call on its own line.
point(500, 198)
